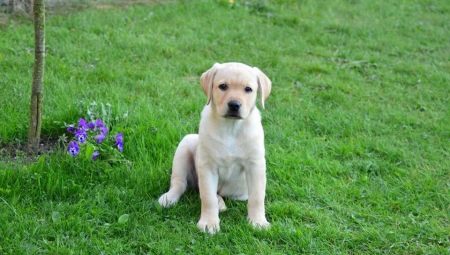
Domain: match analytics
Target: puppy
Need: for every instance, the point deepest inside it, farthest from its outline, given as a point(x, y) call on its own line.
point(227, 157)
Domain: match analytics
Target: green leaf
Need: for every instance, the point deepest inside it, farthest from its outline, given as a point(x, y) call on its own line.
point(123, 218)
point(56, 217)
point(89, 150)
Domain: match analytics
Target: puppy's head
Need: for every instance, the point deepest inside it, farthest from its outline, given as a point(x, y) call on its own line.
point(232, 88)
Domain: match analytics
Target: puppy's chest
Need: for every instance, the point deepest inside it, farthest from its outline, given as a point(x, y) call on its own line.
point(230, 160)
point(230, 151)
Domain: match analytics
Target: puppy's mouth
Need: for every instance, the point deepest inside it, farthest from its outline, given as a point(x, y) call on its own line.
point(232, 116)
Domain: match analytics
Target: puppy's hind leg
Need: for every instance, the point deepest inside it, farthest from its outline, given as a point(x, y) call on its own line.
point(183, 170)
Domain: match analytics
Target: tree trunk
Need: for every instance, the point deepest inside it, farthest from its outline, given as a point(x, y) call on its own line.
point(34, 128)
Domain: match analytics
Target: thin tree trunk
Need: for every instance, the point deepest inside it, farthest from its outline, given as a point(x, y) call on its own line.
point(34, 129)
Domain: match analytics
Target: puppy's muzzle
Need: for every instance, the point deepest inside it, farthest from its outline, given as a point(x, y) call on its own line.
point(233, 109)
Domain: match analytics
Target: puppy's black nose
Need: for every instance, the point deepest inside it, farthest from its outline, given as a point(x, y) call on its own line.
point(234, 105)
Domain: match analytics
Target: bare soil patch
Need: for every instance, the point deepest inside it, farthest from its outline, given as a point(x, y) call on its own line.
point(17, 151)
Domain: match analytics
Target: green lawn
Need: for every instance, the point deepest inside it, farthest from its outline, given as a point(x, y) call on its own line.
point(357, 127)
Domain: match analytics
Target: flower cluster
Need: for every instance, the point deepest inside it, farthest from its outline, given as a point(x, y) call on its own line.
point(93, 136)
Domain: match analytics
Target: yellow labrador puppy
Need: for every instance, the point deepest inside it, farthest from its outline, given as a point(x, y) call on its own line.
point(227, 157)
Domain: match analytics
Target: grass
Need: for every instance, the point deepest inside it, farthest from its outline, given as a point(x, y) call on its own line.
point(357, 127)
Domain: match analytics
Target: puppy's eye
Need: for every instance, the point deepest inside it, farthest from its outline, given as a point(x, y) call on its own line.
point(248, 89)
point(223, 86)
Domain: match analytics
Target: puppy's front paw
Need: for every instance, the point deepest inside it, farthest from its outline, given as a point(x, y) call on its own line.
point(259, 222)
point(209, 225)
point(167, 200)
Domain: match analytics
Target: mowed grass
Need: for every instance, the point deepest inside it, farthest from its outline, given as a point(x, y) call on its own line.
point(357, 127)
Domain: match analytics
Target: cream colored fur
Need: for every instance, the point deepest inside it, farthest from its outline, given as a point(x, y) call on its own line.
point(227, 157)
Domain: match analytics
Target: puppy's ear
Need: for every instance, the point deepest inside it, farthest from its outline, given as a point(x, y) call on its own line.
point(207, 79)
point(264, 85)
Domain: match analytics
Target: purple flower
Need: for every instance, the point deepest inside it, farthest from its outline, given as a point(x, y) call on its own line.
point(81, 135)
point(100, 137)
point(95, 155)
point(99, 123)
point(71, 129)
point(119, 138)
point(91, 125)
point(82, 124)
point(73, 149)
point(119, 141)
point(103, 130)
